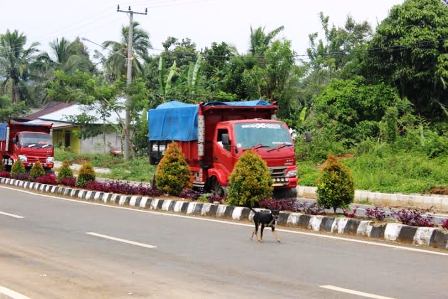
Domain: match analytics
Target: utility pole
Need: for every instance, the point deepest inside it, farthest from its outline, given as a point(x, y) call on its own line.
point(127, 124)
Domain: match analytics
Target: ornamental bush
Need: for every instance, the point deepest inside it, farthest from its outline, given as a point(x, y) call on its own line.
point(335, 185)
point(17, 168)
point(250, 181)
point(86, 174)
point(173, 173)
point(2, 165)
point(36, 171)
point(65, 171)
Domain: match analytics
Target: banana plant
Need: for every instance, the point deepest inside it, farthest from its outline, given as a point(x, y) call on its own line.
point(166, 83)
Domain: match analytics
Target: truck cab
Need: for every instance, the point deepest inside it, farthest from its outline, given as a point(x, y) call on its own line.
point(270, 139)
point(27, 141)
point(30, 147)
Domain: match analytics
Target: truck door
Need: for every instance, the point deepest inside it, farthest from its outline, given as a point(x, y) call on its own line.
point(223, 159)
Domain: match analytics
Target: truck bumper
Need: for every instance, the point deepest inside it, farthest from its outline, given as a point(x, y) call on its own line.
point(44, 165)
point(287, 183)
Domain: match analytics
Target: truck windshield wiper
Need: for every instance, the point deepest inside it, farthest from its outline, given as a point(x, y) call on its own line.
point(259, 146)
point(31, 145)
point(280, 146)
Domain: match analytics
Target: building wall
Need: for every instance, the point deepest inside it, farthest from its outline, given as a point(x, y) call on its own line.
point(96, 144)
point(67, 138)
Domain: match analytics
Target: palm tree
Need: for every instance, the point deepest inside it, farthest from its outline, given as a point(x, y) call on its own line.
point(68, 56)
point(15, 61)
point(116, 62)
point(260, 40)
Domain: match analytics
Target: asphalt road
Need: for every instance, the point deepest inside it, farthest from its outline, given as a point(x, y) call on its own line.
point(70, 249)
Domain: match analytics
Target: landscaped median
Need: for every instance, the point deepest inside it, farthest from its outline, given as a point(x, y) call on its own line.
point(425, 236)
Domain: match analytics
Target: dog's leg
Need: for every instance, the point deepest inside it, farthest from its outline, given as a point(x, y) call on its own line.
point(261, 232)
point(255, 232)
point(275, 234)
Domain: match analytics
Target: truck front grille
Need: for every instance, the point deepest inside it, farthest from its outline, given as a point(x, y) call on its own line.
point(277, 172)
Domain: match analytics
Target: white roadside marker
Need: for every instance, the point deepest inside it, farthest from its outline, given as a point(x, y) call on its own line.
point(121, 240)
point(11, 294)
point(353, 292)
point(12, 215)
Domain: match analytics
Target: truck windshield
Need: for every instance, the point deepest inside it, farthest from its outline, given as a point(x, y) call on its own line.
point(261, 135)
point(38, 140)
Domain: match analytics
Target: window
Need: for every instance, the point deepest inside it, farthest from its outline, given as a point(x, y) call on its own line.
point(220, 133)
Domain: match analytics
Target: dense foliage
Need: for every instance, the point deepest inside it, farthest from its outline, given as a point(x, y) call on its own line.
point(37, 170)
point(17, 169)
point(335, 185)
point(65, 171)
point(86, 174)
point(173, 173)
point(250, 181)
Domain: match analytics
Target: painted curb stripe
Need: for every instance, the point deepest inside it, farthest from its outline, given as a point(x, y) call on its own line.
point(390, 231)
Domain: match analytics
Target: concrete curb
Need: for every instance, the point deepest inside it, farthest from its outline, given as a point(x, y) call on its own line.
point(387, 199)
point(425, 236)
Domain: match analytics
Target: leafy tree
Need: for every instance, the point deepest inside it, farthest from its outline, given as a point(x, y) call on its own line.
point(116, 63)
point(15, 61)
point(173, 173)
point(86, 174)
point(410, 51)
point(17, 168)
point(65, 171)
point(335, 188)
point(250, 181)
point(37, 170)
point(7, 110)
point(260, 40)
point(354, 108)
point(69, 56)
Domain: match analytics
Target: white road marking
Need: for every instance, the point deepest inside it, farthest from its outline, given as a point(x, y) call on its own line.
point(11, 294)
point(11, 215)
point(353, 292)
point(122, 240)
point(239, 224)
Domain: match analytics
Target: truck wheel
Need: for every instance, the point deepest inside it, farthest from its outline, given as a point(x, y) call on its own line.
point(216, 188)
point(285, 193)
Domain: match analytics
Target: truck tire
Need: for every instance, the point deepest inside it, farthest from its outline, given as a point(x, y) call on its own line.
point(215, 188)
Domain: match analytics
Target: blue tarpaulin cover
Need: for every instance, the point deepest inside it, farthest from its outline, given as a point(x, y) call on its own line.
point(179, 121)
point(3, 127)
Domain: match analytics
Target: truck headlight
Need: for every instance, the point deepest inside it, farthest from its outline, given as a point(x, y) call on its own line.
point(291, 174)
point(50, 159)
point(23, 158)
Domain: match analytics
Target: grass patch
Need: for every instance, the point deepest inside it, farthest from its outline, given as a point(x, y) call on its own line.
point(137, 169)
point(97, 160)
point(388, 170)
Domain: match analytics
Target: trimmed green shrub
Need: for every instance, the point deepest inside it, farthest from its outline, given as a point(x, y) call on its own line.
point(173, 173)
point(65, 171)
point(37, 170)
point(335, 185)
point(2, 165)
point(250, 181)
point(17, 168)
point(86, 174)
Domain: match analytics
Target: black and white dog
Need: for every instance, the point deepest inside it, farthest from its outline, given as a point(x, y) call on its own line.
point(265, 219)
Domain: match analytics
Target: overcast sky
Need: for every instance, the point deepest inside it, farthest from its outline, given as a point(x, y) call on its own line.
point(204, 21)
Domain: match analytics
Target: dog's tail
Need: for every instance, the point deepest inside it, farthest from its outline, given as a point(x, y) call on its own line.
point(252, 209)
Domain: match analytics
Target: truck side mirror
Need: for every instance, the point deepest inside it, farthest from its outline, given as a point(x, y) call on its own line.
point(225, 141)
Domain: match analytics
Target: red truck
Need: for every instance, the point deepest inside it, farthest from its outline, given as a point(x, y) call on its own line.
point(28, 141)
point(214, 135)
